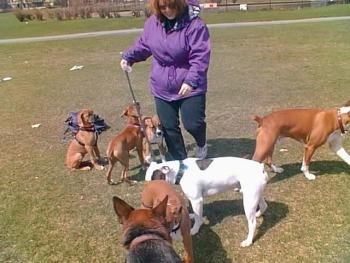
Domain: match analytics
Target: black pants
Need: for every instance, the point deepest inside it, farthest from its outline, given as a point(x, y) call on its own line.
point(192, 112)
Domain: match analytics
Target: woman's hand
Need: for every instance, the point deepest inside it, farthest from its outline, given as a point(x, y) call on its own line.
point(125, 66)
point(185, 90)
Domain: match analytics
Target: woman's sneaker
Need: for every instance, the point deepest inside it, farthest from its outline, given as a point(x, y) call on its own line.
point(201, 152)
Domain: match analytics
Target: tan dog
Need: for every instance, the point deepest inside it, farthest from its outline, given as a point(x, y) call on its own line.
point(145, 233)
point(313, 127)
point(177, 214)
point(84, 142)
point(129, 138)
point(154, 139)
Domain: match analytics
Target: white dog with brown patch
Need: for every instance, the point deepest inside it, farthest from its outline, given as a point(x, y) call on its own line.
point(199, 178)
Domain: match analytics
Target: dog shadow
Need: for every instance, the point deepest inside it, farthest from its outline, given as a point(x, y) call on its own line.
point(238, 147)
point(319, 168)
point(207, 247)
point(218, 210)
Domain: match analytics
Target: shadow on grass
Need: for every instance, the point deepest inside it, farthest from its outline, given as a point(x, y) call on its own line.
point(238, 147)
point(319, 168)
point(207, 247)
point(218, 210)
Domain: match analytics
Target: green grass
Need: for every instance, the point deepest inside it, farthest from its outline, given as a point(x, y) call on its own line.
point(50, 214)
point(10, 27)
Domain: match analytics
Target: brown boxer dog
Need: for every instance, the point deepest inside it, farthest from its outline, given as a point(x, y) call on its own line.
point(313, 127)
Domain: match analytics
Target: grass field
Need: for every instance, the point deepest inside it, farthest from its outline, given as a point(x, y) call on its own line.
point(10, 27)
point(50, 214)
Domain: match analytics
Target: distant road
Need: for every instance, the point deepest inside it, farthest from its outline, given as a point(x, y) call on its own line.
point(136, 30)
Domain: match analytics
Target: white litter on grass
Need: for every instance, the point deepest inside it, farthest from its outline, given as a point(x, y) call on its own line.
point(76, 67)
point(36, 125)
point(283, 150)
point(6, 79)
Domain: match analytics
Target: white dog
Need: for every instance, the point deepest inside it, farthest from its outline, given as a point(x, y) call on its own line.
point(199, 178)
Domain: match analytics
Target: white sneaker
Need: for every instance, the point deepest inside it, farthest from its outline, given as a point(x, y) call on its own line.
point(201, 152)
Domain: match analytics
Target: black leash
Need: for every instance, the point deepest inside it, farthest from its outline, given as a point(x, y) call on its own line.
point(130, 88)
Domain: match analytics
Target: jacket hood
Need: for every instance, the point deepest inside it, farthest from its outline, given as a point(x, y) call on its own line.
point(191, 12)
point(193, 2)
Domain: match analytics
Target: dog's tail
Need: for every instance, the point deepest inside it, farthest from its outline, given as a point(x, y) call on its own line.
point(258, 119)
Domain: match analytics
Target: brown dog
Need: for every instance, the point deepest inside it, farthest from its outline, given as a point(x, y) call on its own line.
point(177, 214)
point(146, 233)
point(313, 127)
point(153, 139)
point(84, 142)
point(129, 138)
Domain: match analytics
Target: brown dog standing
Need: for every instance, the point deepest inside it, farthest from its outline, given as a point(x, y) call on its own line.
point(129, 138)
point(177, 214)
point(84, 142)
point(313, 127)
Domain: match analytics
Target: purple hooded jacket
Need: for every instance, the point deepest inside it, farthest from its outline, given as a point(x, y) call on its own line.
point(180, 55)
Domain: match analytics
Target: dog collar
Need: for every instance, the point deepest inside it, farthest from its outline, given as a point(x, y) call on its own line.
point(143, 238)
point(340, 123)
point(180, 173)
point(88, 129)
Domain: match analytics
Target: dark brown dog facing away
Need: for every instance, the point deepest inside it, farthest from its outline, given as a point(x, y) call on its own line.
point(145, 233)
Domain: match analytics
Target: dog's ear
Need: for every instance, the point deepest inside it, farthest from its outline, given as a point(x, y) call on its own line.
point(160, 209)
point(147, 120)
point(80, 118)
point(155, 120)
point(124, 113)
point(122, 209)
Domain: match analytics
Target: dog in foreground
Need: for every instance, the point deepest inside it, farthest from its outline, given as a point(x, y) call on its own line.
point(200, 178)
point(177, 215)
point(84, 142)
point(313, 127)
point(146, 233)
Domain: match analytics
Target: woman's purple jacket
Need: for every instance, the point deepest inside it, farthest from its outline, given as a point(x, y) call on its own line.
point(179, 55)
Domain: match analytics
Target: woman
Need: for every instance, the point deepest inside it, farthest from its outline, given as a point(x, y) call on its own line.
point(179, 42)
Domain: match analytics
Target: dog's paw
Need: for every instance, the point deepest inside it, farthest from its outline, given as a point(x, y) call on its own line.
point(99, 167)
point(85, 168)
point(276, 169)
point(246, 243)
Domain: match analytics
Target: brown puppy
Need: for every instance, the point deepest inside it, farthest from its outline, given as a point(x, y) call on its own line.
point(84, 142)
point(146, 233)
point(313, 127)
point(177, 214)
point(127, 139)
point(153, 139)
